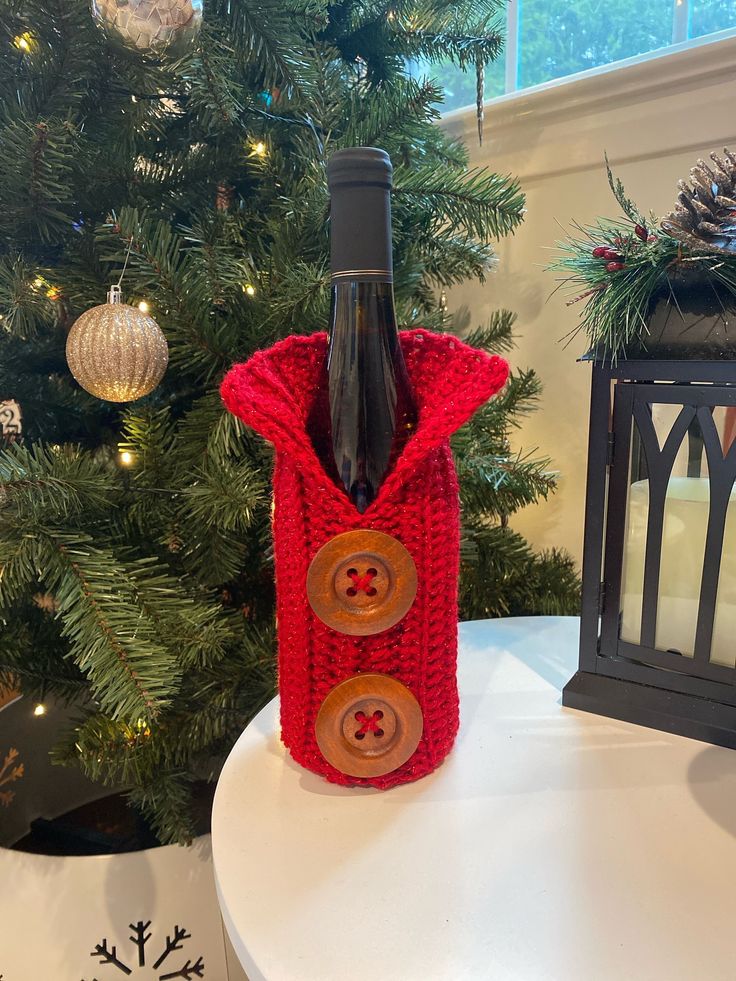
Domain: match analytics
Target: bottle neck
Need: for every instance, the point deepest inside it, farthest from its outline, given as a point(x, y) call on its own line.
point(363, 312)
point(360, 234)
point(361, 294)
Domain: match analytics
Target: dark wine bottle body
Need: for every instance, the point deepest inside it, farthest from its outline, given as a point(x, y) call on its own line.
point(371, 408)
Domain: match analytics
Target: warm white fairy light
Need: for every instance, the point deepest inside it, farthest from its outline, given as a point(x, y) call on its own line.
point(24, 42)
point(260, 149)
point(126, 458)
point(250, 289)
point(40, 709)
point(143, 307)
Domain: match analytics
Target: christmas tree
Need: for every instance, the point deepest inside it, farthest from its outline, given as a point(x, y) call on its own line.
point(135, 564)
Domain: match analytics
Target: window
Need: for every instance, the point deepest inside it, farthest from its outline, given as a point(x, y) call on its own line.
point(548, 39)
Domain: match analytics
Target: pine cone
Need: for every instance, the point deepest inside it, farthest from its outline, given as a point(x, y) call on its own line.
point(705, 214)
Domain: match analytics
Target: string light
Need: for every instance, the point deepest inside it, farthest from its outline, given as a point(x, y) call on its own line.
point(38, 282)
point(136, 732)
point(259, 149)
point(249, 289)
point(40, 709)
point(53, 293)
point(143, 307)
point(126, 458)
point(24, 42)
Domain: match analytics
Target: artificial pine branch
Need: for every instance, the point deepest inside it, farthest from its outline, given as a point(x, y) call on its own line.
point(479, 201)
point(263, 31)
point(619, 192)
point(51, 482)
point(388, 110)
point(111, 639)
point(497, 336)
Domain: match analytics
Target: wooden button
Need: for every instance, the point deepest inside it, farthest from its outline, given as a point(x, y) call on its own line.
point(361, 582)
point(368, 725)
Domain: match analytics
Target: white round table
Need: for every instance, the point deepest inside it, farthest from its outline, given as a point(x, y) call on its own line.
point(551, 844)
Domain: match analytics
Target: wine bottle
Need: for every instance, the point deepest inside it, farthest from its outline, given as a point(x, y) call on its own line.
point(364, 412)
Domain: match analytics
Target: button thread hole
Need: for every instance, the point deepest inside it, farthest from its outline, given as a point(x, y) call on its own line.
point(361, 582)
point(369, 724)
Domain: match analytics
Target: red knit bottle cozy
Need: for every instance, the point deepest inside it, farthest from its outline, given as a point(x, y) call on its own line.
point(366, 603)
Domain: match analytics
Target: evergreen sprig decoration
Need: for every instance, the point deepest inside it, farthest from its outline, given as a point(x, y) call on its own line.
point(618, 267)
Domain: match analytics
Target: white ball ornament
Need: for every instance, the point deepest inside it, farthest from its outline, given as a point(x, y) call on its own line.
point(116, 352)
point(157, 27)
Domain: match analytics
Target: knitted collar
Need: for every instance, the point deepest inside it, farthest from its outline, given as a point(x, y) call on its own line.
point(273, 393)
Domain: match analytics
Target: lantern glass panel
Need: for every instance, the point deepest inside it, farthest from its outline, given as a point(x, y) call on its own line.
point(668, 512)
point(723, 650)
point(637, 514)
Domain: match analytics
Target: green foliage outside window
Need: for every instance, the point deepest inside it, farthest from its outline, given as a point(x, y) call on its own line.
point(558, 38)
point(709, 16)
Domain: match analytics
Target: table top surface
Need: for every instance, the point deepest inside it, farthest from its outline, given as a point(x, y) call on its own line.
point(552, 845)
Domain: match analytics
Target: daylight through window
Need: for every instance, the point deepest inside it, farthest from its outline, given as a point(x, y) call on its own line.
point(549, 39)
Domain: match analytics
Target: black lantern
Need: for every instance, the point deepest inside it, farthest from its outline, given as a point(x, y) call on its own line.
point(658, 630)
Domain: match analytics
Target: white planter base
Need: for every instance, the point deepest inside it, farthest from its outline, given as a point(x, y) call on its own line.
point(55, 911)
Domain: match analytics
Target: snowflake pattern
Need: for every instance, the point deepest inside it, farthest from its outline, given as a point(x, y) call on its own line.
point(108, 955)
point(10, 771)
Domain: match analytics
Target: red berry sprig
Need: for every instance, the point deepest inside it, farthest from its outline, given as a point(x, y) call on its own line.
point(613, 257)
point(606, 252)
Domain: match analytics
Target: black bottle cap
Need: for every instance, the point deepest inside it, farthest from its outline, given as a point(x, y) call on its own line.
point(359, 165)
point(359, 179)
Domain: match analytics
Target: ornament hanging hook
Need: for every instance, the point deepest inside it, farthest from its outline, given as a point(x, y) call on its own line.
point(115, 292)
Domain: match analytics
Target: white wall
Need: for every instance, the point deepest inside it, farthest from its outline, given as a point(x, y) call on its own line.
point(654, 117)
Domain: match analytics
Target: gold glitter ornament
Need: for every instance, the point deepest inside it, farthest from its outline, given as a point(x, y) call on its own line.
point(116, 352)
point(154, 27)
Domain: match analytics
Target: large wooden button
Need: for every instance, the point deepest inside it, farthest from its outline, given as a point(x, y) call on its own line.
point(361, 582)
point(368, 725)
